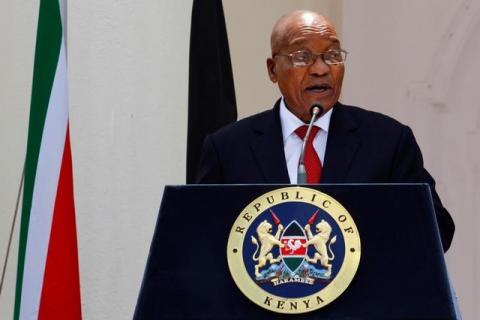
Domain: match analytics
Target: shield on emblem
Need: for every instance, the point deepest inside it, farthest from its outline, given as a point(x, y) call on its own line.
point(293, 252)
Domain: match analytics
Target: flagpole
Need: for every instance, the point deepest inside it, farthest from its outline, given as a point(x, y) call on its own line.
point(12, 229)
point(63, 14)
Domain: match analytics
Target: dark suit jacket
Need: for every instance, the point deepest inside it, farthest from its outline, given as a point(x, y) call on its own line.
point(362, 147)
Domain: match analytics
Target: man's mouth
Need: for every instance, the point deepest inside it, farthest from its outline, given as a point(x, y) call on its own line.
point(318, 88)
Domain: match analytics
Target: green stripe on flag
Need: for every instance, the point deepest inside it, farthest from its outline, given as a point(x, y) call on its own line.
point(49, 35)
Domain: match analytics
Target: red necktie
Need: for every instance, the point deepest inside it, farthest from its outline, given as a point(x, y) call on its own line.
point(313, 165)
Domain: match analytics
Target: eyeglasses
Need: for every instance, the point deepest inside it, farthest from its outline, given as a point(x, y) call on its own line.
point(306, 58)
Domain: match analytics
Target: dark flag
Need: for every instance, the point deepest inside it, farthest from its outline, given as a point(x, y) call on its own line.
point(211, 93)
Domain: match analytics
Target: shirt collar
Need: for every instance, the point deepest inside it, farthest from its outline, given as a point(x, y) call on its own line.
point(290, 122)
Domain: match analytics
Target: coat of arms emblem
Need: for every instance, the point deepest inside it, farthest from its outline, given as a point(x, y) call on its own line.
point(293, 243)
point(293, 264)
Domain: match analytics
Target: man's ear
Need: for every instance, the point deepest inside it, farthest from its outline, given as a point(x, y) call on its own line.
point(271, 70)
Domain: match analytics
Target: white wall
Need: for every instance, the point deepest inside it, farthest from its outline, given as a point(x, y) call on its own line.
point(418, 62)
point(128, 68)
point(128, 76)
point(18, 23)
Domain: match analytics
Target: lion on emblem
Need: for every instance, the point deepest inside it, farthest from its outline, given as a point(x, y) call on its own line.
point(319, 241)
point(267, 242)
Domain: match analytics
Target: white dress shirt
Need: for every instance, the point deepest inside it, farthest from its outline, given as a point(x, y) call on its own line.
point(292, 142)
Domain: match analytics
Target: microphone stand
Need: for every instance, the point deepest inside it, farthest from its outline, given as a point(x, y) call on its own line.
point(301, 172)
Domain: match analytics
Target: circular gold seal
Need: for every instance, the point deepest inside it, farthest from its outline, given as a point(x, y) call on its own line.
point(293, 250)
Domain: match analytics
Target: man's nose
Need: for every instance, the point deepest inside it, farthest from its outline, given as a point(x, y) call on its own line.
point(319, 67)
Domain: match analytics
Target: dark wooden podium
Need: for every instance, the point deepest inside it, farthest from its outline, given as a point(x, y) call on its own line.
point(402, 273)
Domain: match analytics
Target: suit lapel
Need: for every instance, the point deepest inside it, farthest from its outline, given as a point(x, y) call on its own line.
point(267, 146)
point(342, 144)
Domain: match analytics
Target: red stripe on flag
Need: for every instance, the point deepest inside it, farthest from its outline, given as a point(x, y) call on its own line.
point(60, 297)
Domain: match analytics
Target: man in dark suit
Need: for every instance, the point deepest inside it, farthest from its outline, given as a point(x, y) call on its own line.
point(351, 145)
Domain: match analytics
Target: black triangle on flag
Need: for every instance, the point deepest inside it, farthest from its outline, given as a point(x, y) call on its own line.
point(211, 92)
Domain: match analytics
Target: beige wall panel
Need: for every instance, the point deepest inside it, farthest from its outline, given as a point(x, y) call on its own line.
point(129, 91)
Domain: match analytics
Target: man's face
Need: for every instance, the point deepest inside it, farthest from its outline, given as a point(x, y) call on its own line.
point(304, 86)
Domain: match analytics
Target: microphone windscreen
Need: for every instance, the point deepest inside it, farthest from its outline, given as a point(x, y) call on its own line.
point(316, 105)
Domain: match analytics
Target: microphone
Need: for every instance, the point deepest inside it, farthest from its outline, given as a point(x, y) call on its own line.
point(315, 110)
